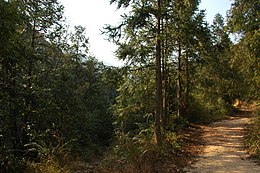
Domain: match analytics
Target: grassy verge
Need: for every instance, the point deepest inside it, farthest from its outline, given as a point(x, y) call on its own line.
point(252, 140)
point(177, 151)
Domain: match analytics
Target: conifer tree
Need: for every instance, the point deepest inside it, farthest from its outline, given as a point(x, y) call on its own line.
point(243, 22)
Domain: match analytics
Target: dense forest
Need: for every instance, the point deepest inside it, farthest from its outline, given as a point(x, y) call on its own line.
point(59, 104)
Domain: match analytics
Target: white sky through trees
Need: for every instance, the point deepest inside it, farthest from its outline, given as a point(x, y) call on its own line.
point(94, 14)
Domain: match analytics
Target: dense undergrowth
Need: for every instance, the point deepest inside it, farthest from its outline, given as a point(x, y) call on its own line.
point(252, 140)
point(129, 150)
point(205, 110)
point(131, 154)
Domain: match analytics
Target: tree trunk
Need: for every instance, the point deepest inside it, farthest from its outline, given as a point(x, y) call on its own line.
point(163, 81)
point(179, 84)
point(165, 71)
point(187, 89)
point(158, 111)
point(166, 75)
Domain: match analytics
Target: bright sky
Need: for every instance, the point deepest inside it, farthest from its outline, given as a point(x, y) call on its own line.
point(94, 14)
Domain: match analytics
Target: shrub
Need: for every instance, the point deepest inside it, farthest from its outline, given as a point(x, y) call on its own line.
point(252, 140)
point(206, 109)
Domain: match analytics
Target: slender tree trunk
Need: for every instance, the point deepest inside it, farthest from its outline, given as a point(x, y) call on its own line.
point(158, 111)
point(167, 99)
point(166, 75)
point(163, 81)
point(179, 84)
point(187, 89)
point(31, 58)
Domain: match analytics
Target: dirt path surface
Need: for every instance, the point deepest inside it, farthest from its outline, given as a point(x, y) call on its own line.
point(224, 150)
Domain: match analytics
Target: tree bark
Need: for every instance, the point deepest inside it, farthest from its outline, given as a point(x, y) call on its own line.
point(163, 81)
point(158, 111)
point(165, 71)
point(179, 85)
point(187, 89)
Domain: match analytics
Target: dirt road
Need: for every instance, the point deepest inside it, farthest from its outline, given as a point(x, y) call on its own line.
point(224, 150)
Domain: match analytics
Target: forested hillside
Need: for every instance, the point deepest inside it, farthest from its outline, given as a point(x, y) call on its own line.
point(60, 105)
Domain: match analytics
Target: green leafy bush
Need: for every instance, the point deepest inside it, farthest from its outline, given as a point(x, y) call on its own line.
point(252, 140)
point(208, 108)
point(123, 152)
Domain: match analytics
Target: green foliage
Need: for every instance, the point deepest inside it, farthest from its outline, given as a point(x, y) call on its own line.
point(244, 15)
point(125, 151)
point(194, 54)
point(10, 163)
point(216, 81)
point(207, 108)
point(252, 139)
point(243, 20)
point(245, 61)
point(135, 102)
point(55, 98)
point(58, 102)
point(50, 158)
point(129, 151)
point(133, 119)
point(50, 165)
